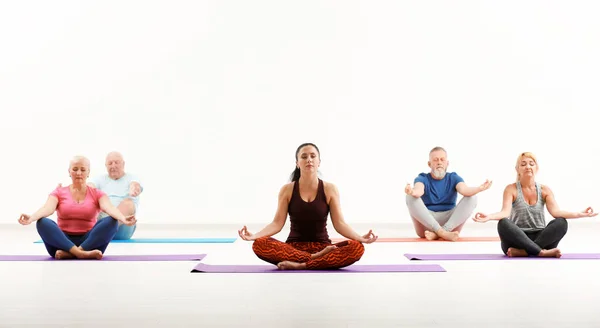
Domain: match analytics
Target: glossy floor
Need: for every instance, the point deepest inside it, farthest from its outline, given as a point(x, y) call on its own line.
point(553, 293)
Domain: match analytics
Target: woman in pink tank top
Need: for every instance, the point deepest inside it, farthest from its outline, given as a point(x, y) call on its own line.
point(77, 233)
point(308, 200)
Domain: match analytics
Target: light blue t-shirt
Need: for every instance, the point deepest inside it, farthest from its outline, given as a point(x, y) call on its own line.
point(117, 190)
point(440, 195)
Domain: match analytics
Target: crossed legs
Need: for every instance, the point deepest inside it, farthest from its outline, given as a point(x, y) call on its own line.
point(308, 255)
point(517, 243)
point(89, 246)
point(446, 225)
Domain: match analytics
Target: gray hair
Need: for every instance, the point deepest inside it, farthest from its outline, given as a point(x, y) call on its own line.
point(78, 158)
point(438, 148)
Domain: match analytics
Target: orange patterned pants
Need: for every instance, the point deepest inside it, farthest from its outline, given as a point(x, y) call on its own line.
point(274, 251)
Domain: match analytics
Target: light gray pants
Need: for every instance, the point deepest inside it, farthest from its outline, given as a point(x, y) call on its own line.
point(451, 220)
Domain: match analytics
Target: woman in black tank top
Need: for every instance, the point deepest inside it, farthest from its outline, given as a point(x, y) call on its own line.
point(308, 200)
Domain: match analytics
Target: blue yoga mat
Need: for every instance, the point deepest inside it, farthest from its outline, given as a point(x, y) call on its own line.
point(171, 241)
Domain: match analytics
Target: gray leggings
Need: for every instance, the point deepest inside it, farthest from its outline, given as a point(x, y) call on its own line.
point(451, 220)
point(531, 241)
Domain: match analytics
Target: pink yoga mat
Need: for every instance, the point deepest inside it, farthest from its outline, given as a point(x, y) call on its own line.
point(265, 268)
point(423, 240)
point(456, 257)
point(164, 257)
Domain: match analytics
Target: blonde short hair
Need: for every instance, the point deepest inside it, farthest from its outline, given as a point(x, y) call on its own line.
point(525, 155)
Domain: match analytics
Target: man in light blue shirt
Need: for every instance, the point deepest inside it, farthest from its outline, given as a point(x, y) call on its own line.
point(123, 190)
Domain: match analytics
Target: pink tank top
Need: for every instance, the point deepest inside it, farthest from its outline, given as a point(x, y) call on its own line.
point(77, 218)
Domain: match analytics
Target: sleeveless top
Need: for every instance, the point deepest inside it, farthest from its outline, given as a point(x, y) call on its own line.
point(308, 219)
point(525, 216)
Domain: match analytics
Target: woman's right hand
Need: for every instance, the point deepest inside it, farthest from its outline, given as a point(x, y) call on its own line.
point(245, 234)
point(25, 219)
point(481, 217)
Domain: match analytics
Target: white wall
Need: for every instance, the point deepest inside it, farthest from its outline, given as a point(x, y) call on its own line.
point(208, 100)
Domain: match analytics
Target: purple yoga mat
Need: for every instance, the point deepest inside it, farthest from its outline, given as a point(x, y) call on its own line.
point(164, 257)
point(213, 268)
point(454, 257)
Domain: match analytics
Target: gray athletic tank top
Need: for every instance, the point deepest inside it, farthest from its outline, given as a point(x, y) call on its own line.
point(525, 216)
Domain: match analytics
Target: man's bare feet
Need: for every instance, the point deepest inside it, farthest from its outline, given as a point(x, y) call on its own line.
point(430, 235)
point(515, 252)
point(323, 252)
point(62, 255)
point(555, 252)
point(289, 265)
point(448, 235)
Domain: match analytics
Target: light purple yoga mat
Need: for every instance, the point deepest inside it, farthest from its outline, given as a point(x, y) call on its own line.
point(164, 257)
point(454, 257)
point(213, 268)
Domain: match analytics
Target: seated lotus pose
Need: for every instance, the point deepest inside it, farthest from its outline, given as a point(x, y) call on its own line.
point(122, 188)
point(77, 234)
point(432, 201)
point(308, 200)
point(522, 226)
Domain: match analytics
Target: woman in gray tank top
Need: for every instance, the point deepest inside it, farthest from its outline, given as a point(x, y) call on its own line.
point(522, 227)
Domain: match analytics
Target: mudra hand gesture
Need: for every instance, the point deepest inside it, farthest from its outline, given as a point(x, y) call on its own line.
point(481, 217)
point(588, 212)
point(129, 220)
point(134, 190)
point(486, 185)
point(24, 219)
point(245, 234)
point(368, 238)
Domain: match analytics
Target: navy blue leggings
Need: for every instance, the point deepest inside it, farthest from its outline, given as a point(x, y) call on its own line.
point(97, 238)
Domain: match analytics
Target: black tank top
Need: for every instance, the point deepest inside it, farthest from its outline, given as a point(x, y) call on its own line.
point(308, 220)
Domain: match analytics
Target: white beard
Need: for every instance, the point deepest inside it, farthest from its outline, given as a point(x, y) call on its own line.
point(439, 173)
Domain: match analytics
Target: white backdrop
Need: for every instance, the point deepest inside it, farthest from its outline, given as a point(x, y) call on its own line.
point(208, 100)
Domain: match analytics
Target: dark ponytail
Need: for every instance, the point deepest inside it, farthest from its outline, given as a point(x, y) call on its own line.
point(295, 176)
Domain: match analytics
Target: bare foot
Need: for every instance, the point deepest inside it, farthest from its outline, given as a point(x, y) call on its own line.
point(515, 252)
point(430, 235)
point(95, 254)
point(323, 252)
point(555, 252)
point(62, 255)
point(448, 235)
point(289, 265)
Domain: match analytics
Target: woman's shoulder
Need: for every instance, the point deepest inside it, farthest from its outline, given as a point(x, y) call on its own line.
point(545, 190)
point(97, 193)
point(287, 189)
point(60, 191)
point(511, 187)
point(329, 187)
